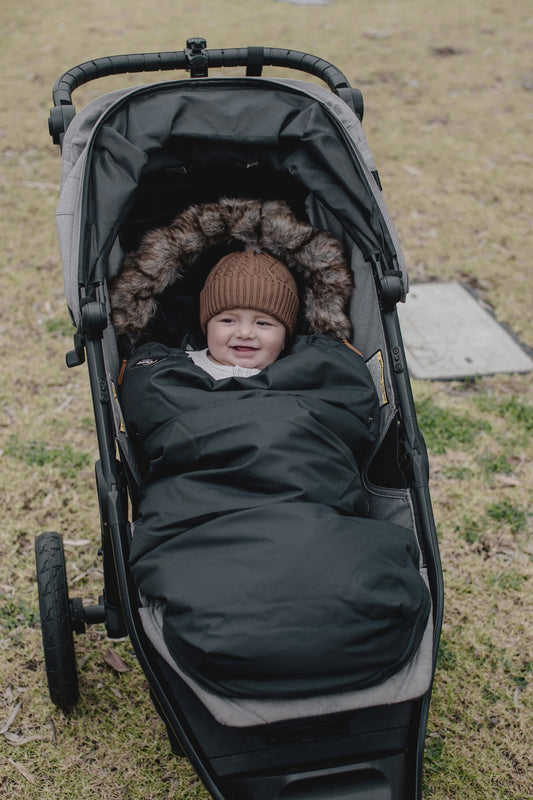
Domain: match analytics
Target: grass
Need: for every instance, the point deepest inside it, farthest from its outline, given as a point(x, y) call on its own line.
point(67, 459)
point(447, 90)
point(446, 429)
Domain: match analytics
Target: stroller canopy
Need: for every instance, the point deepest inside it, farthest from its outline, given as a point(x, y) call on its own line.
point(164, 135)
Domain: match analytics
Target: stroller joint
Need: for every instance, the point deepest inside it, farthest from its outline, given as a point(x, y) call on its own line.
point(81, 615)
point(390, 284)
point(60, 118)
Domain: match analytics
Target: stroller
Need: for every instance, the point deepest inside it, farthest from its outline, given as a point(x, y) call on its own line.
point(132, 160)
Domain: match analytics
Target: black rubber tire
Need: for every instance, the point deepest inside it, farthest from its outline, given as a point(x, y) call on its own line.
point(56, 628)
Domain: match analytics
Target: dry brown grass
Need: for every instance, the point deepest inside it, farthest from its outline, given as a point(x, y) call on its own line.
point(448, 90)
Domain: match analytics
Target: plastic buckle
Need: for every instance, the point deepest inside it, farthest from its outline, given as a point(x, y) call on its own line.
point(197, 58)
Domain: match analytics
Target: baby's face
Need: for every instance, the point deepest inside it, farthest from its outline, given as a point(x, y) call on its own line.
point(243, 337)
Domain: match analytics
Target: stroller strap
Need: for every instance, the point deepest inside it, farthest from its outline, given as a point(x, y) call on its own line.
point(254, 67)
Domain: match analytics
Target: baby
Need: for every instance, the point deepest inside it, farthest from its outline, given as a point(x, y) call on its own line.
point(248, 312)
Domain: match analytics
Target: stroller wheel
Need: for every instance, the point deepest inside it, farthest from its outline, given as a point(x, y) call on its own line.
point(56, 628)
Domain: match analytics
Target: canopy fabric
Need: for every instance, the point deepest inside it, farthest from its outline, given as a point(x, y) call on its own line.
point(293, 127)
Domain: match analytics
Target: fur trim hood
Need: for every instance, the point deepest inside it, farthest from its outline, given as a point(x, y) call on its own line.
point(166, 255)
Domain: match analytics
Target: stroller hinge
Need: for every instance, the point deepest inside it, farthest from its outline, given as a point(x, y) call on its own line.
point(354, 99)
point(92, 324)
point(197, 58)
point(390, 284)
point(60, 118)
point(94, 319)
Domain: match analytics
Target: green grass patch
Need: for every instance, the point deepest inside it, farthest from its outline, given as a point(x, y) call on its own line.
point(447, 655)
point(60, 325)
point(495, 464)
point(470, 529)
point(506, 513)
point(35, 453)
point(434, 759)
point(457, 473)
point(15, 614)
point(444, 429)
point(508, 581)
point(513, 409)
point(522, 678)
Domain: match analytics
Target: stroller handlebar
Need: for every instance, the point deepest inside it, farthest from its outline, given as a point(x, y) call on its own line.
point(196, 59)
point(113, 65)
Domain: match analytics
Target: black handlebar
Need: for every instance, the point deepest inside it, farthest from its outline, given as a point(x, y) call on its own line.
point(184, 59)
point(197, 59)
point(113, 65)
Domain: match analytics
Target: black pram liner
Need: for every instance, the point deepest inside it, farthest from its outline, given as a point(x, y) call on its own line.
point(252, 536)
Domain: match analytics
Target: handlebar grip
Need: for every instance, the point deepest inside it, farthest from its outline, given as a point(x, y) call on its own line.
point(114, 65)
point(154, 62)
point(276, 57)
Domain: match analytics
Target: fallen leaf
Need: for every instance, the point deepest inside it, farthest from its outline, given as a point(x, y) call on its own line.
point(14, 738)
point(79, 577)
point(506, 480)
point(448, 50)
point(76, 542)
point(9, 722)
point(23, 771)
point(114, 661)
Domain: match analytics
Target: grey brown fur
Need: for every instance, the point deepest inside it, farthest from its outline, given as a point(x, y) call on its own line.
point(166, 254)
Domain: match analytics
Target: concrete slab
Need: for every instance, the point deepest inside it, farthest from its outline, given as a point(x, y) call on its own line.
point(448, 334)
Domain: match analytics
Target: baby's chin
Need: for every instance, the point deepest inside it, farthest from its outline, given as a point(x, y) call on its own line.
point(252, 362)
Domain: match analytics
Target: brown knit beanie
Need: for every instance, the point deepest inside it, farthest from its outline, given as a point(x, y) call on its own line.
point(250, 280)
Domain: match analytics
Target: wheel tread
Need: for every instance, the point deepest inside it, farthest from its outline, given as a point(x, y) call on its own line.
point(56, 629)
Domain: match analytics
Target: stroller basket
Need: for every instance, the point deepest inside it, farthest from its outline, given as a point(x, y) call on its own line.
point(141, 159)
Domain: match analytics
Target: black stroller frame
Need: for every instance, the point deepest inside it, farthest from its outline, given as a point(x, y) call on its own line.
point(372, 753)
